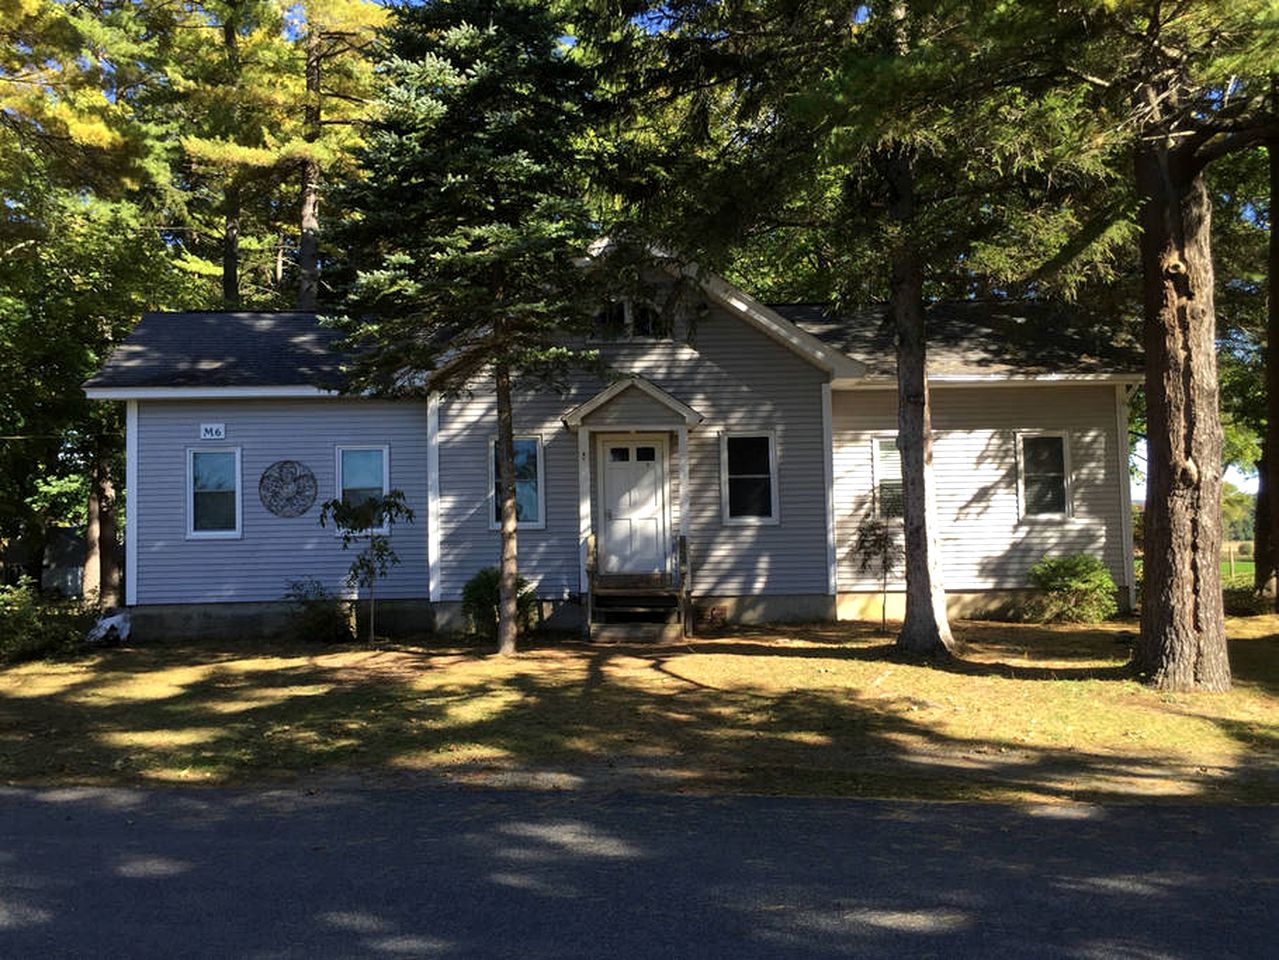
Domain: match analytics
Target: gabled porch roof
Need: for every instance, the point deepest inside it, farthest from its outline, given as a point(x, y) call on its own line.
point(683, 411)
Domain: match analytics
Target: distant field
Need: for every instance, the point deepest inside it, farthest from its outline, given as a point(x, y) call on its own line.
point(1243, 572)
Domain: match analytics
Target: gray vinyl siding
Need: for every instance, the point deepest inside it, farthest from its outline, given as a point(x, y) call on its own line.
point(739, 380)
point(271, 550)
point(986, 543)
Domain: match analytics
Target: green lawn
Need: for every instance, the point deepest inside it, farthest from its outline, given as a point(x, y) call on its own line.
point(1029, 713)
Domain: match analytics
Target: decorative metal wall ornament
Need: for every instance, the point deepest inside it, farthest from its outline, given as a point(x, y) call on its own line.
point(287, 488)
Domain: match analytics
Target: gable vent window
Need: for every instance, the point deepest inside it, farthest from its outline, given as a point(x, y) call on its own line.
point(749, 478)
point(1044, 476)
point(631, 319)
point(889, 501)
point(213, 488)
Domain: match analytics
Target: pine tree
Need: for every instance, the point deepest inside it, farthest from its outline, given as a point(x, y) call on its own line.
point(469, 221)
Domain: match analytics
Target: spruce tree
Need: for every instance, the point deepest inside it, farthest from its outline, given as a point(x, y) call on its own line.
point(469, 224)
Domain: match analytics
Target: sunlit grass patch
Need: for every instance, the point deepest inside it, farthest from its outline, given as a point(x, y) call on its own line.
point(1029, 713)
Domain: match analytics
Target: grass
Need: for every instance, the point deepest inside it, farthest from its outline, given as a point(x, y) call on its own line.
point(1030, 713)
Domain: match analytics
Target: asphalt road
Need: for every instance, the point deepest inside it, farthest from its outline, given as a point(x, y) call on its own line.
point(449, 872)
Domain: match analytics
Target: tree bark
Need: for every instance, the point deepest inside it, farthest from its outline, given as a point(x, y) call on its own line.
point(108, 548)
point(309, 241)
point(925, 629)
point(1183, 639)
point(1269, 486)
point(508, 583)
point(1263, 575)
point(231, 249)
point(91, 574)
point(100, 580)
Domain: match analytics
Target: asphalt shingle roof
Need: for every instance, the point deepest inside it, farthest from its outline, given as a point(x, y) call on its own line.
point(292, 349)
point(224, 350)
point(977, 339)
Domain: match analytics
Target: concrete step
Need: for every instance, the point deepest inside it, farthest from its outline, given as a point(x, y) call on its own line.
point(636, 632)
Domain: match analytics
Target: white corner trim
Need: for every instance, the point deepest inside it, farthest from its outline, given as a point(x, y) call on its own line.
point(828, 478)
point(583, 504)
point(131, 503)
point(1125, 493)
point(685, 497)
point(773, 324)
point(433, 496)
point(206, 393)
point(575, 416)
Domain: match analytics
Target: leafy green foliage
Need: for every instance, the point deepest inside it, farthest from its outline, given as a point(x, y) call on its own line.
point(368, 522)
point(1073, 589)
point(31, 628)
point(480, 600)
point(319, 615)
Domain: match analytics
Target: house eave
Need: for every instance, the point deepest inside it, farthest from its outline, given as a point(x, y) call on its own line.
point(993, 380)
point(298, 391)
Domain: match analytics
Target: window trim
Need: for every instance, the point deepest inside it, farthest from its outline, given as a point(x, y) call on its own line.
point(875, 470)
point(340, 449)
point(1067, 485)
point(491, 500)
point(238, 532)
point(774, 487)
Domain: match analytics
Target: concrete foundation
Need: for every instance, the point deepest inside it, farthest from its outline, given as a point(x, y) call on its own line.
point(156, 623)
point(971, 605)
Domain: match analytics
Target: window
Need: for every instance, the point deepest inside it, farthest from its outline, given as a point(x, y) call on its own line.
point(363, 474)
point(1044, 476)
point(748, 489)
point(213, 485)
point(530, 506)
point(628, 318)
point(889, 502)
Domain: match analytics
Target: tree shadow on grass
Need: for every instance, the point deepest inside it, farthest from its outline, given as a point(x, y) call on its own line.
point(627, 715)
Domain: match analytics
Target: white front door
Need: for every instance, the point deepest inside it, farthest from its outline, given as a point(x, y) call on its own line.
point(633, 490)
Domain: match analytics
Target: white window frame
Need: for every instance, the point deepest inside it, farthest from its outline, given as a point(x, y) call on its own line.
point(337, 476)
point(1067, 484)
point(191, 532)
point(877, 470)
point(774, 489)
point(491, 499)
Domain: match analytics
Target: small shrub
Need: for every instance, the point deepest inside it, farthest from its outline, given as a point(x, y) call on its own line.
point(1244, 550)
point(1074, 589)
point(319, 615)
point(32, 627)
point(480, 598)
point(1245, 602)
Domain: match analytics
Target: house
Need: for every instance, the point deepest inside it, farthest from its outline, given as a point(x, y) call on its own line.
point(742, 453)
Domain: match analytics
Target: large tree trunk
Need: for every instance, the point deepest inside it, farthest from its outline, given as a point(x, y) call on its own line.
point(1183, 638)
point(1269, 486)
point(100, 579)
point(1263, 573)
point(91, 574)
point(108, 548)
point(925, 629)
point(309, 242)
point(508, 589)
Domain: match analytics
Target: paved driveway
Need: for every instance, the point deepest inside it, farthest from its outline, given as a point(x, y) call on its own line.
point(451, 872)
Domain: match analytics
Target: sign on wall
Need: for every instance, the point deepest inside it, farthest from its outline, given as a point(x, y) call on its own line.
point(213, 431)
